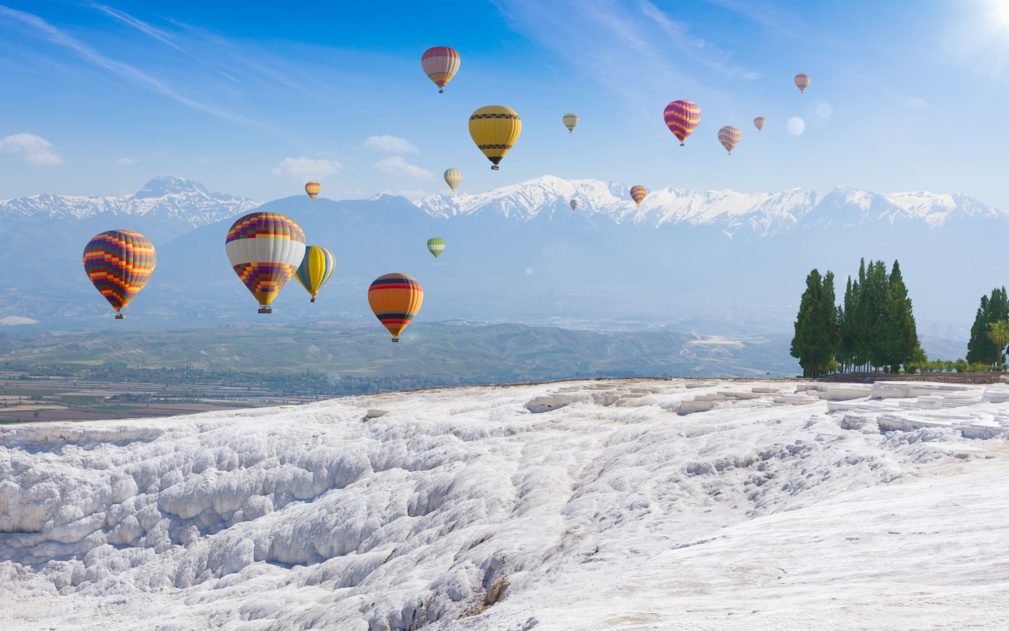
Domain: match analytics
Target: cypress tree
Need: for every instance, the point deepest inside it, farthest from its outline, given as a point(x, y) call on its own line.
point(900, 335)
point(816, 332)
point(847, 334)
point(859, 324)
point(980, 348)
point(873, 301)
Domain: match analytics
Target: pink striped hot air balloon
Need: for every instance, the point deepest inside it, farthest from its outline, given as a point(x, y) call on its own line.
point(682, 118)
point(440, 64)
point(729, 137)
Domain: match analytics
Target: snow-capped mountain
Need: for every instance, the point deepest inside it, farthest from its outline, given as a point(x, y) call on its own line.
point(171, 199)
point(760, 213)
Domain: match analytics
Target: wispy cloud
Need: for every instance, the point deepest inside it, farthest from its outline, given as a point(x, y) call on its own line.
point(696, 48)
point(89, 54)
point(391, 144)
point(399, 166)
point(915, 103)
point(157, 34)
point(125, 162)
point(31, 148)
point(306, 168)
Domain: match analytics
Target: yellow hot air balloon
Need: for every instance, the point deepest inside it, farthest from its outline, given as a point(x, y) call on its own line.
point(638, 194)
point(313, 188)
point(495, 129)
point(570, 121)
point(453, 177)
point(395, 299)
point(316, 268)
point(802, 81)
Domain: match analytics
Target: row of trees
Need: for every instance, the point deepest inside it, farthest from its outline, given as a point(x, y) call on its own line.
point(990, 332)
point(873, 327)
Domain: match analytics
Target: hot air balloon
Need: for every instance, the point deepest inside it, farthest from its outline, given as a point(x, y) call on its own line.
point(313, 188)
point(440, 64)
point(495, 129)
point(758, 122)
point(802, 81)
point(729, 137)
point(573, 204)
point(395, 299)
point(638, 194)
point(315, 269)
point(265, 249)
point(453, 177)
point(682, 118)
point(570, 121)
point(436, 246)
point(119, 263)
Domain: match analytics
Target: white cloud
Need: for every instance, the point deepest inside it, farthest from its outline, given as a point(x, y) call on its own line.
point(392, 144)
point(31, 148)
point(399, 166)
point(915, 103)
point(306, 168)
point(125, 162)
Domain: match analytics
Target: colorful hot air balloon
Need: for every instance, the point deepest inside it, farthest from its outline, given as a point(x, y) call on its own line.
point(638, 194)
point(570, 121)
point(436, 246)
point(573, 204)
point(802, 81)
point(119, 263)
point(395, 299)
point(729, 137)
point(313, 188)
point(315, 269)
point(758, 122)
point(453, 177)
point(495, 129)
point(265, 249)
point(440, 64)
point(682, 118)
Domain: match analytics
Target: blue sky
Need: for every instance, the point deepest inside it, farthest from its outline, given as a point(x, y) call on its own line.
point(253, 99)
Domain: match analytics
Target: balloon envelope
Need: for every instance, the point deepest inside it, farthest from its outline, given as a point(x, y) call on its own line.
point(729, 137)
point(119, 264)
point(265, 249)
point(436, 246)
point(453, 177)
point(573, 204)
point(802, 81)
point(494, 129)
point(570, 121)
point(395, 299)
point(638, 194)
point(682, 118)
point(315, 269)
point(758, 122)
point(313, 188)
point(440, 65)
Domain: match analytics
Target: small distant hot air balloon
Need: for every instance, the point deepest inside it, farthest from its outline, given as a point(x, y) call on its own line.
point(495, 129)
point(682, 118)
point(453, 177)
point(315, 269)
point(395, 299)
point(638, 194)
point(440, 64)
point(729, 137)
point(265, 249)
point(436, 246)
point(802, 81)
point(119, 263)
point(758, 122)
point(313, 188)
point(570, 121)
point(573, 204)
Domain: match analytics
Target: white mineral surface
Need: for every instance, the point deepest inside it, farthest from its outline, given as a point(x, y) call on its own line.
point(626, 504)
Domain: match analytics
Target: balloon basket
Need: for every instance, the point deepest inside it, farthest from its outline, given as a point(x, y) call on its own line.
point(120, 316)
point(313, 299)
point(395, 339)
point(265, 309)
point(441, 91)
point(495, 168)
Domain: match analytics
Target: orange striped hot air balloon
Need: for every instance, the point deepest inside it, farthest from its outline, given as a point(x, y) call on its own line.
point(729, 137)
point(802, 81)
point(440, 64)
point(758, 122)
point(638, 194)
point(313, 188)
point(395, 299)
point(119, 263)
point(682, 118)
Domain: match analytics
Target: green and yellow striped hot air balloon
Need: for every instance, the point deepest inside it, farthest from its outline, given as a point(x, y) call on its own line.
point(315, 269)
point(570, 121)
point(495, 129)
point(436, 246)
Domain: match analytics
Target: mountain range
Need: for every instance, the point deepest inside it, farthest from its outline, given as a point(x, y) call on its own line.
point(716, 262)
